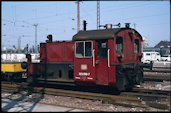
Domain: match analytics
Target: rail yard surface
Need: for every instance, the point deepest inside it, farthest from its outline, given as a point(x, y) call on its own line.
point(148, 96)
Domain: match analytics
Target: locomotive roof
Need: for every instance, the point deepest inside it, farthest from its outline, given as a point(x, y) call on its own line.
point(97, 34)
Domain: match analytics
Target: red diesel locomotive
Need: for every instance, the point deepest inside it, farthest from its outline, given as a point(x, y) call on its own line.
point(109, 57)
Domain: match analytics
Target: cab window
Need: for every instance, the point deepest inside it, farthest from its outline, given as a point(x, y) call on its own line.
point(88, 49)
point(119, 44)
point(136, 46)
point(102, 48)
point(79, 49)
point(83, 49)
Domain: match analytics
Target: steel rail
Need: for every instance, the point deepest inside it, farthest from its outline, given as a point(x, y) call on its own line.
point(153, 91)
point(126, 99)
point(105, 98)
point(156, 77)
point(158, 71)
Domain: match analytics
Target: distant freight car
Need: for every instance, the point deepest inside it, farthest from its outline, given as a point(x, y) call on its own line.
point(106, 57)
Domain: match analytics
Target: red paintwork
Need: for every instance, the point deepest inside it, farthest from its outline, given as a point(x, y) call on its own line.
point(42, 52)
point(90, 69)
point(53, 52)
point(33, 68)
point(128, 55)
point(57, 52)
point(101, 69)
point(111, 75)
point(101, 73)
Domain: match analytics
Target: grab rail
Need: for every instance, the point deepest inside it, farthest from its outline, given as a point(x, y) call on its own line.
point(108, 61)
point(93, 59)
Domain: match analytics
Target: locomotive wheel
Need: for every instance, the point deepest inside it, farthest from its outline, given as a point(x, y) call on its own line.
point(122, 83)
point(129, 85)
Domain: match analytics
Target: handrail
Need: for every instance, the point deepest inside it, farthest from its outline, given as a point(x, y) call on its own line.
point(108, 61)
point(93, 59)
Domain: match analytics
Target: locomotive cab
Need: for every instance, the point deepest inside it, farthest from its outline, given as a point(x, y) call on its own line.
point(108, 57)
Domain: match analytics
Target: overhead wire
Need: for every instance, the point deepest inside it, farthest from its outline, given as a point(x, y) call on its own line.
point(140, 17)
point(86, 12)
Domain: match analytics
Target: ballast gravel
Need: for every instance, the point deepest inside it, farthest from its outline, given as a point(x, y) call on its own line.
point(72, 102)
point(79, 103)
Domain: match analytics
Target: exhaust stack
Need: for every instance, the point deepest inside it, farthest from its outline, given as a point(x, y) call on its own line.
point(49, 37)
point(127, 25)
point(84, 25)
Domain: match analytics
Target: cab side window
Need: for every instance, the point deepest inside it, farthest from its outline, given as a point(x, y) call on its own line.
point(88, 49)
point(79, 49)
point(83, 49)
point(136, 46)
point(119, 44)
point(102, 48)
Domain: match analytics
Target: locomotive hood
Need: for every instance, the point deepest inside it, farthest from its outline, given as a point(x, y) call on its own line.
point(97, 34)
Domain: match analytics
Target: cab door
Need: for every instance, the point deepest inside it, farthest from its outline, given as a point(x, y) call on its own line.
point(101, 62)
point(84, 70)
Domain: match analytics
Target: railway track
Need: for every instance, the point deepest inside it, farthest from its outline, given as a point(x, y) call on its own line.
point(148, 94)
point(159, 74)
point(159, 69)
point(156, 77)
point(143, 98)
point(152, 91)
point(113, 99)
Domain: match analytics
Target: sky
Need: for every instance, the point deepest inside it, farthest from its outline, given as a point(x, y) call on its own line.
point(59, 18)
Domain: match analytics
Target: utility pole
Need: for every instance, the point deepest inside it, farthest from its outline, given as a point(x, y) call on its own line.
point(35, 37)
point(35, 33)
point(19, 44)
point(78, 16)
point(98, 14)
